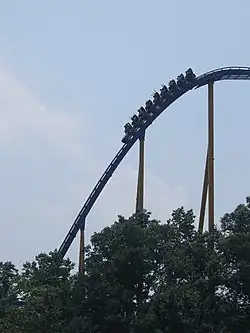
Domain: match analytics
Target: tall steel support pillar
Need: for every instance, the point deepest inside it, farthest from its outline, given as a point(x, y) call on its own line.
point(140, 184)
point(208, 183)
point(211, 156)
point(203, 198)
point(82, 251)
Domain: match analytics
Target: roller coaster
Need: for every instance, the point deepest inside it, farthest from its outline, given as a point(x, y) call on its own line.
point(136, 131)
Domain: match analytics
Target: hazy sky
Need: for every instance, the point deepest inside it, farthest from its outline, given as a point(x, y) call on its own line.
point(73, 72)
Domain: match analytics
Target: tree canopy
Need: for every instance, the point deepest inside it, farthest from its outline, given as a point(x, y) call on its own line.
point(141, 276)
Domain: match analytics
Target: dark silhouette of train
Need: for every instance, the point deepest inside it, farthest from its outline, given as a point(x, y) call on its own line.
point(159, 99)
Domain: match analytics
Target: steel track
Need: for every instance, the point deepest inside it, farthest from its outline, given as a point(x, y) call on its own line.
point(225, 73)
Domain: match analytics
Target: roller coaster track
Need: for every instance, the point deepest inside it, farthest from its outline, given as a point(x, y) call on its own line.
point(225, 73)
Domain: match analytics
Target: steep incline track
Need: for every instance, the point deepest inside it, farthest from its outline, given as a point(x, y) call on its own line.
point(226, 73)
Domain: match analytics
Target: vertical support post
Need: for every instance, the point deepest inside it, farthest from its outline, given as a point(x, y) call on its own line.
point(140, 184)
point(203, 198)
point(82, 250)
point(211, 156)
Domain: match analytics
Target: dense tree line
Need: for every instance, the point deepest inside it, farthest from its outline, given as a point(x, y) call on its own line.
point(141, 276)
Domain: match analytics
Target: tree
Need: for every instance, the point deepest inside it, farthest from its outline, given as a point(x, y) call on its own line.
point(8, 279)
point(141, 276)
point(8, 295)
point(121, 267)
point(236, 249)
point(45, 286)
point(138, 269)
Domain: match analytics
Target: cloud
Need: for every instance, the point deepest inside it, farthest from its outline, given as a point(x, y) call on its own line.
point(49, 169)
point(22, 115)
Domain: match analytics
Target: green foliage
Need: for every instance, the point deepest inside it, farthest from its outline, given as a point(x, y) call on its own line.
point(45, 286)
point(141, 276)
point(8, 277)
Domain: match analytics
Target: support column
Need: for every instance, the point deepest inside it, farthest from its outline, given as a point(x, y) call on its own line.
point(82, 251)
point(140, 184)
point(203, 198)
point(211, 156)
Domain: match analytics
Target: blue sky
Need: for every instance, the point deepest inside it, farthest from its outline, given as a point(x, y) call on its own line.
point(73, 72)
